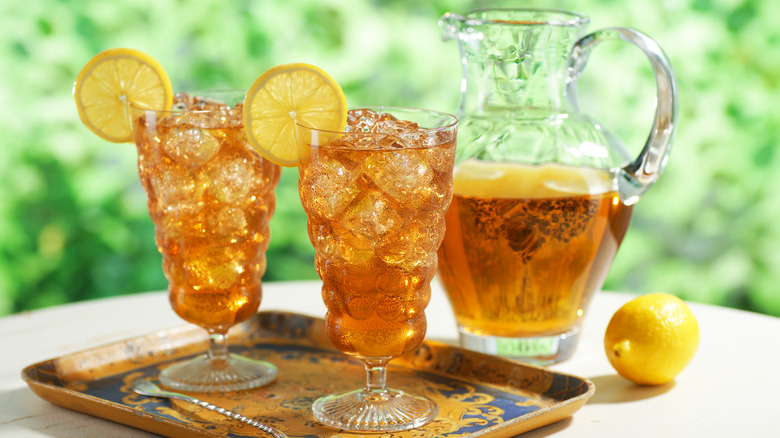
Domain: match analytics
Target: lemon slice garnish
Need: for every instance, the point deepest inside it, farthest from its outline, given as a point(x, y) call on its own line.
point(114, 78)
point(283, 95)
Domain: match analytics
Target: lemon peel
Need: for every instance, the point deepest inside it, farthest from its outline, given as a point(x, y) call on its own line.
point(110, 81)
point(652, 338)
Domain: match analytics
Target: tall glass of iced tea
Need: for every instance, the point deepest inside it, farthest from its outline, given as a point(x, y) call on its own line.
point(375, 196)
point(210, 196)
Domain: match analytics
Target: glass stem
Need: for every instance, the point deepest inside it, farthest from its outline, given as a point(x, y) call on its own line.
point(218, 346)
point(376, 374)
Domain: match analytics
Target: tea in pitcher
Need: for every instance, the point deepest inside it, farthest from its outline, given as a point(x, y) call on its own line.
point(525, 250)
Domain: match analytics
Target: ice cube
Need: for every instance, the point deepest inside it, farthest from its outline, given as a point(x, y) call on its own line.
point(180, 220)
point(187, 102)
point(181, 101)
point(352, 247)
point(433, 198)
point(441, 158)
point(415, 243)
point(355, 141)
point(350, 265)
point(391, 142)
point(231, 179)
point(321, 237)
point(391, 125)
point(361, 120)
point(189, 145)
point(173, 185)
point(212, 266)
point(371, 216)
point(330, 186)
point(200, 103)
point(229, 222)
point(401, 174)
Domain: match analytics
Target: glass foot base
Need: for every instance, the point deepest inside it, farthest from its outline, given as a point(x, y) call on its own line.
point(218, 375)
point(540, 350)
point(386, 411)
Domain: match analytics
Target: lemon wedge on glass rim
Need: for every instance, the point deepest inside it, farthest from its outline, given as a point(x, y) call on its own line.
point(284, 95)
point(112, 79)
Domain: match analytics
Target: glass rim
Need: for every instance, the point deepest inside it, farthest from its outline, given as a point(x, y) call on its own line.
point(452, 122)
point(196, 93)
point(574, 18)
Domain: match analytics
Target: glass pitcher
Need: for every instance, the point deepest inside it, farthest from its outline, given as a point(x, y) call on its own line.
point(543, 193)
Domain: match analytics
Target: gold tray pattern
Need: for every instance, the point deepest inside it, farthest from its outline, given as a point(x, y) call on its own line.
point(478, 395)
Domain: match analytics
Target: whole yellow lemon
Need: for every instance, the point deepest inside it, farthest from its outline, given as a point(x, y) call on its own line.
point(652, 338)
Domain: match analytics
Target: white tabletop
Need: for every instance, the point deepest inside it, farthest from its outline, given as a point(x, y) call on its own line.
point(727, 391)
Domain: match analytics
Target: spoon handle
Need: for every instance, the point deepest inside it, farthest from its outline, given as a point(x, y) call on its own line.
point(239, 417)
point(148, 388)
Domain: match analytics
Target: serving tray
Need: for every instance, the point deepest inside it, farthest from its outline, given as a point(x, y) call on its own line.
point(478, 395)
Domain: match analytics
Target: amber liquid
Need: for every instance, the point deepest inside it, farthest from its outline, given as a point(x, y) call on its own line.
point(528, 266)
point(210, 196)
point(376, 219)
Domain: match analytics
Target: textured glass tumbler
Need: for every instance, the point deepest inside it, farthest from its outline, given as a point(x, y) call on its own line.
point(375, 197)
point(210, 196)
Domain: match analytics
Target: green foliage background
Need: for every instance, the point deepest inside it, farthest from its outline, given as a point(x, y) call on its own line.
point(73, 221)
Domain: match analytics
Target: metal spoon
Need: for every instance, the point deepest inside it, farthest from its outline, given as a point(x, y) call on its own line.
point(146, 387)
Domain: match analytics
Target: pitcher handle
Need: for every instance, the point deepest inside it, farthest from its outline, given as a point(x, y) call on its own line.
point(639, 175)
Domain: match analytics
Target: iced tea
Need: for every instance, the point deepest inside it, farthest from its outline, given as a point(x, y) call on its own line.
point(528, 246)
point(210, 196)
point(375, 200)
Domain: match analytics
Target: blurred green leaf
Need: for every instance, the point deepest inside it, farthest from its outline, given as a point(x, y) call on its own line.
point(73, 223)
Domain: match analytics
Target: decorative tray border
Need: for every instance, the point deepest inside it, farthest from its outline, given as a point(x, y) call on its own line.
point(478, 394)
